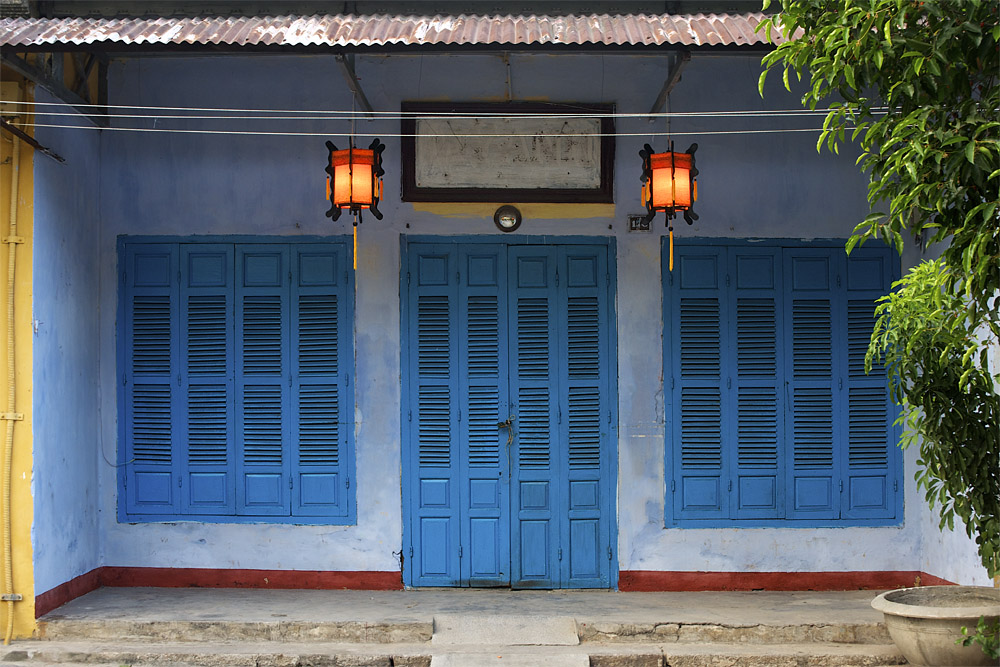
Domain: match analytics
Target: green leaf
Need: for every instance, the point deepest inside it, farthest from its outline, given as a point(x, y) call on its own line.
point(970, 152)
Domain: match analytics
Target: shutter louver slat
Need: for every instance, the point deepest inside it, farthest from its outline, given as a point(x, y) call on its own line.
point(319, 430)
point(701, 427)
point(812, 425)
point(584, 427)
point(317, 328)
point(434, 426)
point(151, 424)
point(757, 426)
point(208, 417)
point(151, 334)
point(699, 330)
point(868, 428)
point(756, 337)
point(206, 334)
point(812, 345)
point(533, 434)
point(262, 425)
point(262, 339)
point(483, 417)
point(860, 322)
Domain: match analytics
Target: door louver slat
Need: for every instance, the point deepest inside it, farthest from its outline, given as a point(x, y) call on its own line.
point(533, 433)
point(756, 337)
point(584, 343)
point(483, 417)
point(483, 351)
point(584, 428)
point(434, 425)
point(433, 336)
point(533, 338)
point(868, 428)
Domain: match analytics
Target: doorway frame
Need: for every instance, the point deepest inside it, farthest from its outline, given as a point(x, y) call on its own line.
point(406, 548)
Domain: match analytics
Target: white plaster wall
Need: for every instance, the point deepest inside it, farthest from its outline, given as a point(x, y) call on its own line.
point(766, 185)
point(65, 394)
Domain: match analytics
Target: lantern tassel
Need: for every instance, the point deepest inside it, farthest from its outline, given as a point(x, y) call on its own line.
point(671, 248)
point(356, 246)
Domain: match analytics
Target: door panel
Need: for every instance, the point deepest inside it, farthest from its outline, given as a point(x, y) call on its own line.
point(514, 335)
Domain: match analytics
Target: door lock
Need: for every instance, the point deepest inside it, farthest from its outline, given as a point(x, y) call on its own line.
point(509, 425)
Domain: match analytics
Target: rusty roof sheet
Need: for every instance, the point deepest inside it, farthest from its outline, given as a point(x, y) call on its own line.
point(391, 30)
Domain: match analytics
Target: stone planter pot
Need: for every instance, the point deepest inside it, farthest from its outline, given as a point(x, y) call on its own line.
point(925, 622)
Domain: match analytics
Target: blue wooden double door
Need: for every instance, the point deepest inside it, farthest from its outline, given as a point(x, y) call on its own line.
point(508, 416)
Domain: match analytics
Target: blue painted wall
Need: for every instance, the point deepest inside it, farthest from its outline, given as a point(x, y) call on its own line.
point(66, 397)
point(764, 185)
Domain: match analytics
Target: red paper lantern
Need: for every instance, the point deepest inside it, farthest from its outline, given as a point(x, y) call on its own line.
point(354, 180)
point(669, 182)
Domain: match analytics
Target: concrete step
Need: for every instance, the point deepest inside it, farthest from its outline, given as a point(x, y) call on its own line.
point(356, 654)
point(451, 628)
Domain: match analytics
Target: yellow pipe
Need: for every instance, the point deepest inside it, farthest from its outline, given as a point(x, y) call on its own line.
point(8, 450)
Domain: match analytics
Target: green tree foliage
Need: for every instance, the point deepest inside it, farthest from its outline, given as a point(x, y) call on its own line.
point(914, 86)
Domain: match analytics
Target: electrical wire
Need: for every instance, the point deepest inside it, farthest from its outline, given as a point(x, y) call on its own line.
point(325, 114)
point(260, 133)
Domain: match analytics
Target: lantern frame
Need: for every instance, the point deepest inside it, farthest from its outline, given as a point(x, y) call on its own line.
point(649, 174)
point(355, 207)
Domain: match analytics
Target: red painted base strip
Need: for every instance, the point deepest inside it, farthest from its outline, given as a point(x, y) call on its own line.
point(63, 593)
point(649, 580)
point(169, 577)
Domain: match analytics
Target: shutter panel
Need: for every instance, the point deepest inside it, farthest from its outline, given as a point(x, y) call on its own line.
point(759, 393)
point(584, 393)
point(433, 423)
point(483, 397)
point(206, 348)
point(321, 427)
point(871, 454)
point(694, 353)
point(263, 380)
point(535, 478)
point(811, 303)
point(153, 403)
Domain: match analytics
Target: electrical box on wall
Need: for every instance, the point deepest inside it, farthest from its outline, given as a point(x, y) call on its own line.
point(638, 223)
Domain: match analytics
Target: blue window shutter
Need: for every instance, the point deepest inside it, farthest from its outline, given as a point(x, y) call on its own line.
point(811, 360)
point(694, 356)
point(533, 319)
point(433, 422)
point(152, 388)
point(206, 346)
point(322, 408)
point(757, 397)
point(263, 380)
point(871, 465)
point(584, 391)
point(483, 397)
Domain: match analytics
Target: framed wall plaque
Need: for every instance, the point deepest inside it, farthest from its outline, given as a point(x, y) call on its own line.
point(507, 152)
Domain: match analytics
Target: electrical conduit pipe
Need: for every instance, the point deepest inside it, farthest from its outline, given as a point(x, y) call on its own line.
point(8, 449)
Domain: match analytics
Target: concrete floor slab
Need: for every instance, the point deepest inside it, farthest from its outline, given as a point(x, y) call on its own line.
point(504, 630)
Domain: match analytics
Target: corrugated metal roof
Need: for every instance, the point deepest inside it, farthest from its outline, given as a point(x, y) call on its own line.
point(386, 30)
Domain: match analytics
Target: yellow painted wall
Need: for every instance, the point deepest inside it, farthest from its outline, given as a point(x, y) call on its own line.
point(21, 505)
